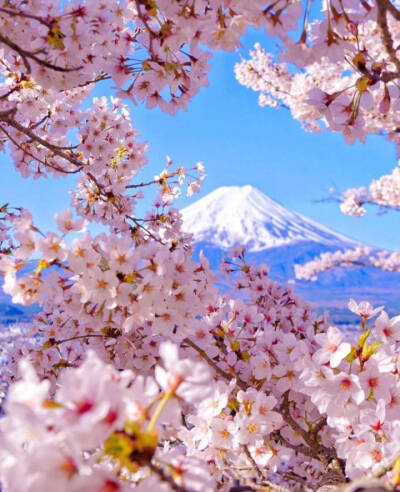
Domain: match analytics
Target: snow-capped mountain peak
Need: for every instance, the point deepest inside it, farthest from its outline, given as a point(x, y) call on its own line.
point(244, 215)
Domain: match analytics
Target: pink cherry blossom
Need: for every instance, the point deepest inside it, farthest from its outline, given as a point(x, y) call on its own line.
point(363, 309)
point(332, 350)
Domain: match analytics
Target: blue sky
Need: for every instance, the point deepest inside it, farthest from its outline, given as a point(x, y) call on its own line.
point(241, 143)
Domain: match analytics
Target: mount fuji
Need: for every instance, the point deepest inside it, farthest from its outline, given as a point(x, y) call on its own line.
point(244, 215)
point(279, 237)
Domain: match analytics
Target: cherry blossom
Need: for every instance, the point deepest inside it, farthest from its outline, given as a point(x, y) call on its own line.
point(332, 350)
point(364, 309)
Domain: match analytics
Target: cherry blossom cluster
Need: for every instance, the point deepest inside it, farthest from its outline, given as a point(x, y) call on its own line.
point(101, 428)
point(153, 50)
point(111, 292)
point(358, 391)
point(64, 44)
point(105, 151)
point(280, 396)
point(175, 33)
point(349, 70)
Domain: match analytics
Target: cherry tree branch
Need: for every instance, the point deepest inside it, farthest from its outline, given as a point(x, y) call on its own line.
point(6, 116)
point(254, 464)
point(44, 163)
point(143, 183)
point(382, 7)
point(166, 478)
point(30, 55)
point(240, 383)
point(26, 15)
point(389, 7)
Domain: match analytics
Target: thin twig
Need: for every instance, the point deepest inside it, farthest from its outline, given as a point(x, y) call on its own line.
point(254, 465)
point(140, 185)
point(99, 78)
point(4, 96)
point(78, 337)
point(145, 229)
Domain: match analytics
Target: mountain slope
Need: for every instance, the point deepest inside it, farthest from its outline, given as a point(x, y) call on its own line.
point(243, 215)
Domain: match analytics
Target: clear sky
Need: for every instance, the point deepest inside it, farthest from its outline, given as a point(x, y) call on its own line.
point(241, 143)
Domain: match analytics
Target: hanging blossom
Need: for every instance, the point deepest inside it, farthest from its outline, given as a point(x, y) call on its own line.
point(348, 76)
point(383, 192)
point(153, 51)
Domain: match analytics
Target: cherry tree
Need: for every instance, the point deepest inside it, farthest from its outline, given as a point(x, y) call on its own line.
point(138, 372)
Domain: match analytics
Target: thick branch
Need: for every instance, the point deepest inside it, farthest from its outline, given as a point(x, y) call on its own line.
point(383, 8)
point(390, 7)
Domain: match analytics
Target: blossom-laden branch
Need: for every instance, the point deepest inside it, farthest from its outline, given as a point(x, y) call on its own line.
point(361, 256)
point(29, 56)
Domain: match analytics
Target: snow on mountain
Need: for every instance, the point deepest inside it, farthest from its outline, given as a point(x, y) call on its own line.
point(244, 215)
